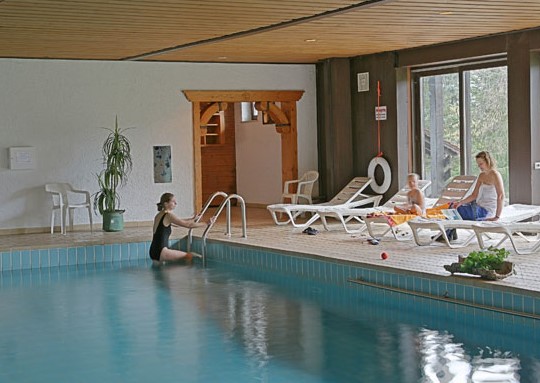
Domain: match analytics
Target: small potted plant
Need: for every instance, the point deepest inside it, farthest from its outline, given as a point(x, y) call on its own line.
point(116, 152)
point(489, 264)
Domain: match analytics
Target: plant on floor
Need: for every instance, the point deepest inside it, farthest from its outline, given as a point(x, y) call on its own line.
point(116, 152)
point(489, 259)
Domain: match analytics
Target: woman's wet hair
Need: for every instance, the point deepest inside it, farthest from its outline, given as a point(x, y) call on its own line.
point(490, 161)
point(165, 197)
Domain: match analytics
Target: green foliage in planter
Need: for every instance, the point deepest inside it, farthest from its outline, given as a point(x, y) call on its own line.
point(117, 160)
point(490, 259)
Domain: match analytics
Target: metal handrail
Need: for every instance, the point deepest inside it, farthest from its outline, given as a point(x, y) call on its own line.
point(199, 216)
point(226, 203)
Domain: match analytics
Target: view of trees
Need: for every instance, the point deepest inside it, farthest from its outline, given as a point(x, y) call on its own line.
point(485, 121)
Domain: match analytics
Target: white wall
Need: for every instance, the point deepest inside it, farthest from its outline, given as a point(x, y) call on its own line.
point(258, 158)
point(58, 106)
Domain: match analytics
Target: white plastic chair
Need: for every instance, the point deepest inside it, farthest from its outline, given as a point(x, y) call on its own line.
point(65, 199)
point(304, 188)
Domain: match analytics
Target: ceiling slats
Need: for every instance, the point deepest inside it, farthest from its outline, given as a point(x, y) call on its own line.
point(219, 31)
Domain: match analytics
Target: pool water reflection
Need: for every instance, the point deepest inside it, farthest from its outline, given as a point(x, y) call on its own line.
point(127, 322)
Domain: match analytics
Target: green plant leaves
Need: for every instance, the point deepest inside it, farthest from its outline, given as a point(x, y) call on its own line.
point(118, 164)
point(489, 259)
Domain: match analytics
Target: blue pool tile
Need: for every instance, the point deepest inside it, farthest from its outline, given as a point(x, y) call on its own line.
point(6, 260)
point(508, 301)
point(34, 259)
point(141, 250)
point(460, 292)
point(410, 282)
point(72, 256)
point(425, 286)
point(44, 258)
point(54, 259)
point(26, 261)
point(478, 296)
point(488, 297)
point(528, 304)
point(99, 254)
point(497, 299)
point(394, 280)
point(116, 252)
point(417, 284)
point(517, 302)
point(402, 281)
point(469, 294)
point(124, 252)
point(442, 289)
point(133, 251)
point(537, 306)
point(81, 255)
point(62, 256)
point(90, 254)
point(451, 288)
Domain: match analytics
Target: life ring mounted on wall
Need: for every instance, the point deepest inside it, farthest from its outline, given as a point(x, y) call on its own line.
point(387, 175)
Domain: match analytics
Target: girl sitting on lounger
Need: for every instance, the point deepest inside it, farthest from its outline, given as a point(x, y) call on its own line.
point(415, 198)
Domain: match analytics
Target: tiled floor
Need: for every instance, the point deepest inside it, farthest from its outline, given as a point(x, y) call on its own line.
point(261, 232)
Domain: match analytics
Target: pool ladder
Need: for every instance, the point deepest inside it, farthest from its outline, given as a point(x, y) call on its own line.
point(226, 203)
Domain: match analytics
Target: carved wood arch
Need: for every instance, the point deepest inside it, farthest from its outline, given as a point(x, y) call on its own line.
point(213, 108)
point(284, 116)
point(283, 125)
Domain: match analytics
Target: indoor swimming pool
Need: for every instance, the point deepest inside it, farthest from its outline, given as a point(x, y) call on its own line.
point(132, 322)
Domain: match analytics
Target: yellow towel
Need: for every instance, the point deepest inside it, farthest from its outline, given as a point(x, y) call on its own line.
point(398, 219)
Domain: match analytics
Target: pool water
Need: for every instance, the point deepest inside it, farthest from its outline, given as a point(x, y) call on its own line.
point(131, 322)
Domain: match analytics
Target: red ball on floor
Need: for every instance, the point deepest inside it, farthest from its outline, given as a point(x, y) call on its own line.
point(384, 255)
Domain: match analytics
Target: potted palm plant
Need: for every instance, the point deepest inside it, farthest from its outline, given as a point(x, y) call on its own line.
point(116, 153)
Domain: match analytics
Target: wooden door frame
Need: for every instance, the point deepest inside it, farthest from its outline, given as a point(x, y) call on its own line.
point(284, 116)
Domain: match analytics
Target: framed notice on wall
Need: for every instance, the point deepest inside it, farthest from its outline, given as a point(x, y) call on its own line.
point(162, 164)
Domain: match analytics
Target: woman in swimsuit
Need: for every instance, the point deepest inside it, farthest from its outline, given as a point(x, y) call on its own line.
point(159, 249)
point(486, 201)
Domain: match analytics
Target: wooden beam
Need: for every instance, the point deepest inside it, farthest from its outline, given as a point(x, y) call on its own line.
point(211, 110)
point(289, 145)
point(243, 95)
point(197, 156)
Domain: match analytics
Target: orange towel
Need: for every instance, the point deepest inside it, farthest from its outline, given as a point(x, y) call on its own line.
point(398, 219)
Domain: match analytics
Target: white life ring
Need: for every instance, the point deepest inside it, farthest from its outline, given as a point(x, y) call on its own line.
point(387, 179)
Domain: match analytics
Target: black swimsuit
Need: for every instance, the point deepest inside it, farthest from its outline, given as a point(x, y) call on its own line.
point(160, 239)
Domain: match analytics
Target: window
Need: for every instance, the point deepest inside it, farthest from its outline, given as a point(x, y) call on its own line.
point(459, 112)
point(249, 113)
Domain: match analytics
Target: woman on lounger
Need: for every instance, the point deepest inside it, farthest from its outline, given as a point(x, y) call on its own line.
point(486, 201)
point(164, 219)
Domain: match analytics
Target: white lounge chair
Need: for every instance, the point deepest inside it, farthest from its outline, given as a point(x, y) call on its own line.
point(347, 214)
point(349, 197)
point(455, 190)
point(509, 230)
point(510, 214)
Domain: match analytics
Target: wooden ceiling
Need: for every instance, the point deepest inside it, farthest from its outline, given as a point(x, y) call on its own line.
point(250, 31)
